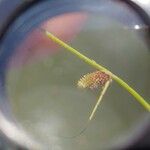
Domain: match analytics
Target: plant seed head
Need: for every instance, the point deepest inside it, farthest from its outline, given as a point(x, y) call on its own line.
point(93, 80)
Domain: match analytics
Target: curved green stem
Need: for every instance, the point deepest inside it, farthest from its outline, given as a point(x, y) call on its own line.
point(91, 62)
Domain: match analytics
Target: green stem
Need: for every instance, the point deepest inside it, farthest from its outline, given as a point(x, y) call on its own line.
point(91, 62)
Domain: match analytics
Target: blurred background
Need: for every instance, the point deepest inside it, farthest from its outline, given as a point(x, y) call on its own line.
point(40, 103)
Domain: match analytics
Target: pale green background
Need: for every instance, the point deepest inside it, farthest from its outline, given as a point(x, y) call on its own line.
point(47, 102)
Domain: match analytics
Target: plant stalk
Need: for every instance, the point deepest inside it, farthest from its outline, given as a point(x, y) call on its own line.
point(99, 99)
point(91, 62)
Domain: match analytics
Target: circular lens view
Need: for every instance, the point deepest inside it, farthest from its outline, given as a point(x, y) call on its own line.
point(42, 77)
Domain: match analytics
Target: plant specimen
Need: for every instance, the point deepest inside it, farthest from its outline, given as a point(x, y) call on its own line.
point(102, 77)
point(93, 80)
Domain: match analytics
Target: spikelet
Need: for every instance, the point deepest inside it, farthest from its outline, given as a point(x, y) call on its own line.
point(93, 80)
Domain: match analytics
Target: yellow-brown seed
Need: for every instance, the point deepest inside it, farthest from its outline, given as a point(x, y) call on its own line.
point(93, 80)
